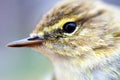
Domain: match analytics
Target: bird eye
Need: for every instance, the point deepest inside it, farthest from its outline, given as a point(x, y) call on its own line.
point(69, 27)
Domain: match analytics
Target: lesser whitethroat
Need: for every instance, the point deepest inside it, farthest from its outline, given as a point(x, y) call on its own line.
point(81, 38)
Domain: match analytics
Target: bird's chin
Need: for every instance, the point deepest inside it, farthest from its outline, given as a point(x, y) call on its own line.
point(44, 50)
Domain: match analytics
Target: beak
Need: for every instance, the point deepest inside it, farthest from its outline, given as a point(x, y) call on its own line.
point(27, 42)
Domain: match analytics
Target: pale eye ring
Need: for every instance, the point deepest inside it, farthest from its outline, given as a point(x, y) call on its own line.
point(69, 27)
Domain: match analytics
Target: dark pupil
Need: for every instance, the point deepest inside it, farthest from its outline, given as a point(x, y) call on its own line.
point(69, 27)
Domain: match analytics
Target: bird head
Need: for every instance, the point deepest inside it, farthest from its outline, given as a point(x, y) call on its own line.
point(73, 28)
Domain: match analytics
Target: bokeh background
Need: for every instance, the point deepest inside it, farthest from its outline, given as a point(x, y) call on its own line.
point(17, 19)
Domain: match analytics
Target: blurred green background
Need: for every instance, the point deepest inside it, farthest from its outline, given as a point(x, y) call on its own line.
point(17, 19)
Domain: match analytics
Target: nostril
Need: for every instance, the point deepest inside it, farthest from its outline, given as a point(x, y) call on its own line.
point(35, 38)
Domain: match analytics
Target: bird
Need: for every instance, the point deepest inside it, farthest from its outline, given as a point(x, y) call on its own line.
point(81, 38)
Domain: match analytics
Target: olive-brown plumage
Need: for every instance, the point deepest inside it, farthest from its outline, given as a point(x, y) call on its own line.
point(81, 38)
